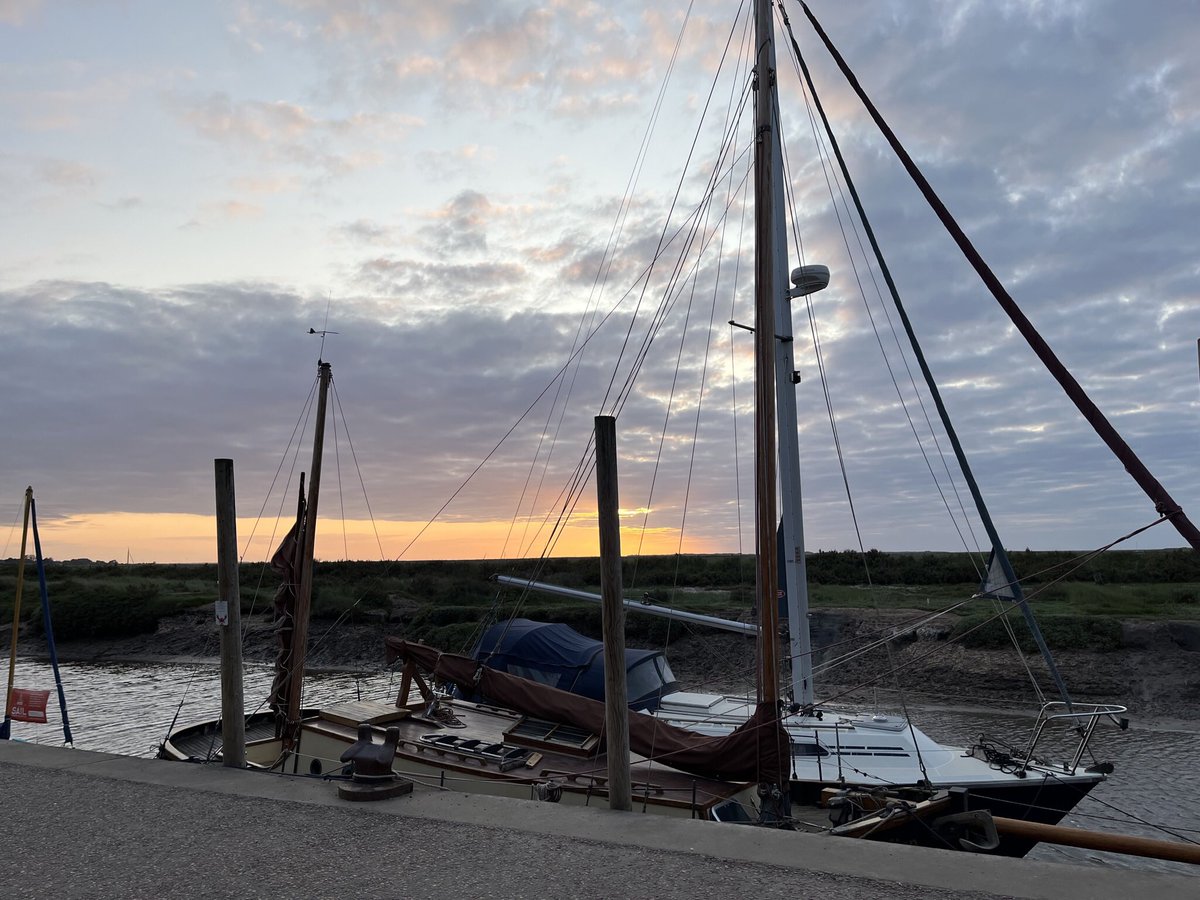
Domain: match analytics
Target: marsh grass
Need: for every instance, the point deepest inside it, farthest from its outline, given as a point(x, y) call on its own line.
point(444, 602)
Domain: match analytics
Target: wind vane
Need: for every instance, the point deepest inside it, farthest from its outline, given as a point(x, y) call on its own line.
point(322, 334)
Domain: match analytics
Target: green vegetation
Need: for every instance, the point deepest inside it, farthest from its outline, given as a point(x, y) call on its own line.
point(1061, 632)
point(104, 600)
point(444, 602)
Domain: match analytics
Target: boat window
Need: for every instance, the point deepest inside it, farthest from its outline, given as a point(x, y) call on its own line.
point(551, 732)
point(664, 670)
point(807, 748)
point(541, 734)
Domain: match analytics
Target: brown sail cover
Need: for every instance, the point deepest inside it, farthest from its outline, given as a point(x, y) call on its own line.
point(755, 751)
point(283, 563)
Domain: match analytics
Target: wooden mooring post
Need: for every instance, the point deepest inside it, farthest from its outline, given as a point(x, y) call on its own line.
point(616, 693)
point(229, 620)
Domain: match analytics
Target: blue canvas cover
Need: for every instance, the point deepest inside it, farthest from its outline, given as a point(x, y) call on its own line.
point(561, 657)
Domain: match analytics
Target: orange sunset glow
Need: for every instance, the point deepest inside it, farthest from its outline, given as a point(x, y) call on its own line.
point(170, 537)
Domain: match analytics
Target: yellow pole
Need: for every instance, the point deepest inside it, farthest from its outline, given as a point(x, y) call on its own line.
point(12, 653)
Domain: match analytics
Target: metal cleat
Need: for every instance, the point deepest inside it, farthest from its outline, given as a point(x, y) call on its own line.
point(371, 772)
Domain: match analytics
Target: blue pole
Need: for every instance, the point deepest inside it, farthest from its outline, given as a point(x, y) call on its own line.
point(47, 625)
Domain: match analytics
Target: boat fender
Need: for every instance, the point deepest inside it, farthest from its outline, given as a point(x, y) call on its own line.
point(843, 807)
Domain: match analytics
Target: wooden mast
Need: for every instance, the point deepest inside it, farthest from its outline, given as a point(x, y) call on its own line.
point(304, 592)
point(766, 291)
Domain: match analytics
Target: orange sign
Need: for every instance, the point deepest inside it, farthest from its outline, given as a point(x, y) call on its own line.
point(29, 706)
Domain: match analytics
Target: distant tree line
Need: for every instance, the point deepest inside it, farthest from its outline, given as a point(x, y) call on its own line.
point(107, 599)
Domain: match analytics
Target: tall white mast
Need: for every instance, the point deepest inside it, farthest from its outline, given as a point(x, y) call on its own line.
point(794, 574)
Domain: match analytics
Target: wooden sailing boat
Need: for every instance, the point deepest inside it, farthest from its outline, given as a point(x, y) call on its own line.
point(755, 748)
point(544, 744)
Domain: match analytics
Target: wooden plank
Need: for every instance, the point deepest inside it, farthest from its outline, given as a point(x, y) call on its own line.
point(1099, 840)
point(357, 712)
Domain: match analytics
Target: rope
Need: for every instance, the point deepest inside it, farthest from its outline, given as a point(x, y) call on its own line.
point(599, 281)
point(1163, 502)
point(1004, 612)
point(976, 627)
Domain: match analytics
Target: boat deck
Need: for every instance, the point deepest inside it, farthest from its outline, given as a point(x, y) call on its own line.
point(464, 741)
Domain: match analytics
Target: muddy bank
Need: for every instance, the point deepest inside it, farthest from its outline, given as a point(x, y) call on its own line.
point(1156, 671)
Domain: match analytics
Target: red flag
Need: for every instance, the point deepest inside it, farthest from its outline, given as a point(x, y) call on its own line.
point(29, 706)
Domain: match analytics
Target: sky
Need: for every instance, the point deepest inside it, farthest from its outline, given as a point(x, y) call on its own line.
point(457, 191)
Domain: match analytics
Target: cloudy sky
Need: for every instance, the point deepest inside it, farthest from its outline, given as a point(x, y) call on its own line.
point(463, 192)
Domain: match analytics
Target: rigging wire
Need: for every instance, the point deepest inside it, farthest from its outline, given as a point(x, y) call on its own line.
point(12, 530)
point(292, 450)
point(830, 185)
point(1038, 693)
point(571, 494)
point(712, 334)
point(933, 390)
point(889, 634)
point(983, 623)
point(297, 429)
point(599, 282)
point(642, 279)
point(337, 399)
point(337, 465)
point(832, 179)
point(903, 627)
point(692, 278)
point(666, 221)
point(379, 578)
point(670, 294)
point(733, 113)
point(825, 389)
point(737, 270)
point(807, 88)
point(688, 231)
point(534, 403)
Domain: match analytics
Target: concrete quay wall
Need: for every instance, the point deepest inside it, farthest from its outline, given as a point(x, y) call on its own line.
point(82, 824)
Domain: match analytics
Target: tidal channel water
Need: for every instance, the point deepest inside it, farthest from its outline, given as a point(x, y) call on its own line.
point(129, 708)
